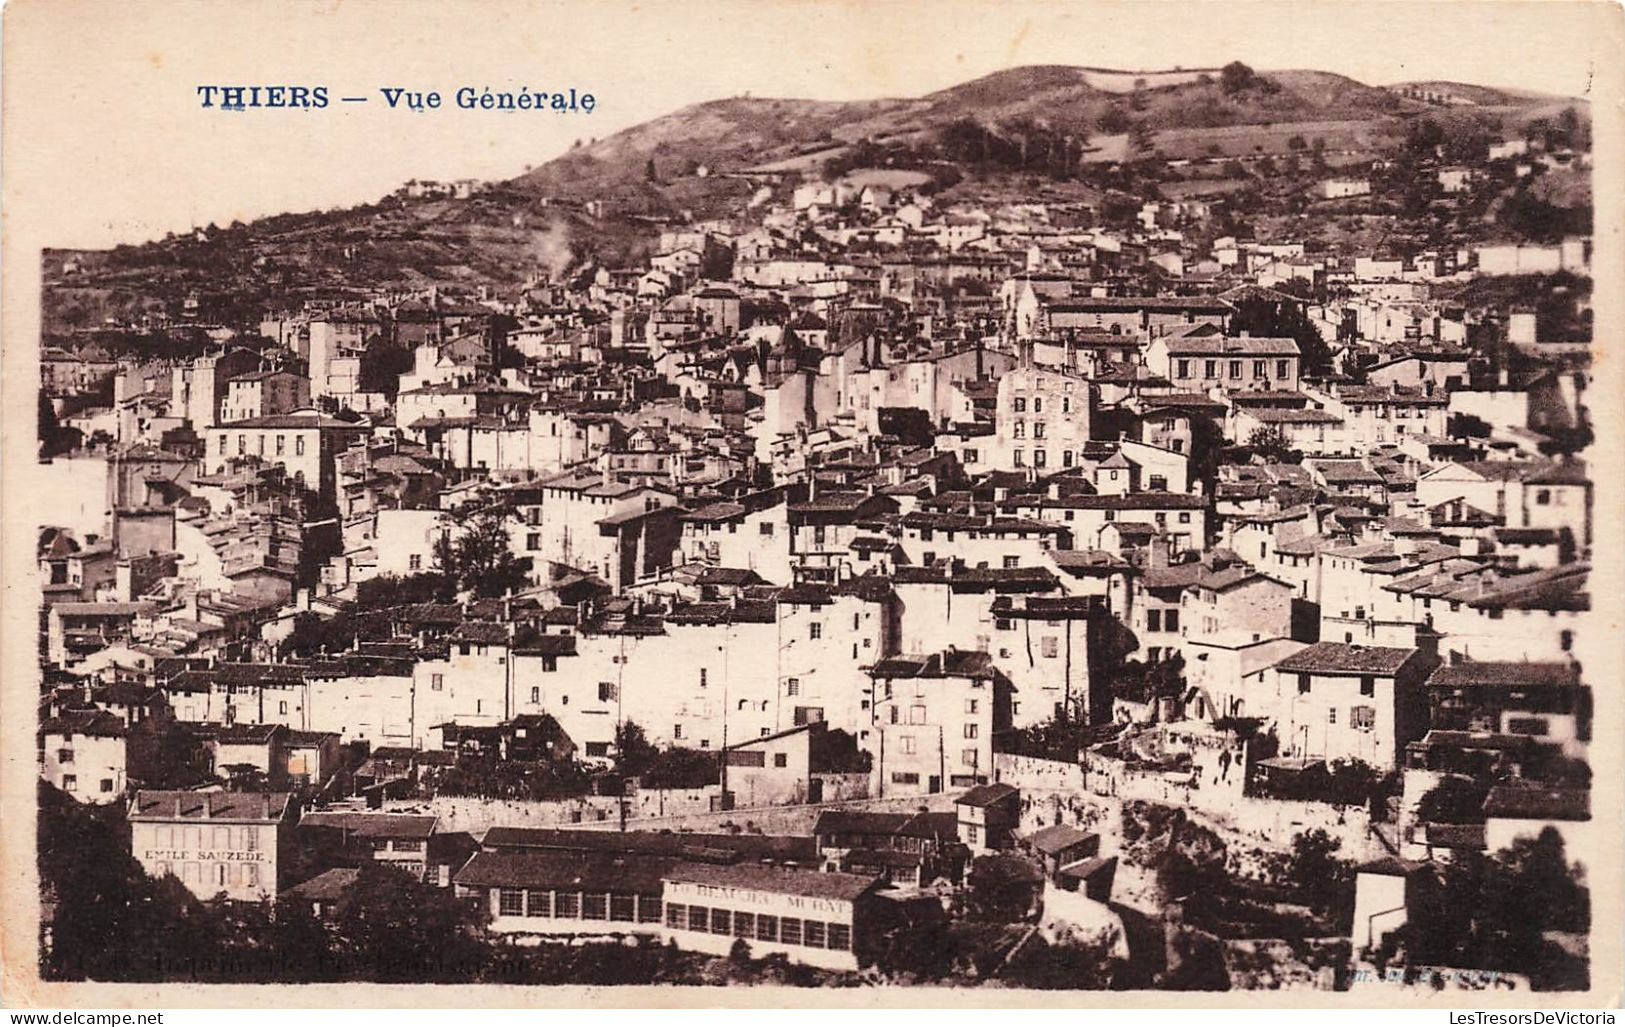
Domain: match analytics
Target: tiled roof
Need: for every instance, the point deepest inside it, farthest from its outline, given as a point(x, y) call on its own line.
point(779, 880)
point(1467, 675)
point(1344, 658)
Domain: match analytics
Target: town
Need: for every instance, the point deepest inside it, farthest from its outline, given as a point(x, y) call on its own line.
point(1113, 559)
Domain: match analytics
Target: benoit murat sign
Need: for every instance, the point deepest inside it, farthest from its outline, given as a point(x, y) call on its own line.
point(751, 896)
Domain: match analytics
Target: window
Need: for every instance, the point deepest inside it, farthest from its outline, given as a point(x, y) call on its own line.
point(107, 782)
point(781, 759)
point(1235, 369)
point(282, 709)
point(567, 905)
point(972, 833)
point(437, 682)
point(703, 675)
point(721, 922)
point(1182, 369)
point(767, 927)
point(677, 916)
point(1258, 369)
point(1331, 715)
point(242, 444)
point(298, 445)
point(70, 782)
point(535, 694)
point(533, 540)
point(971, 730)
point(792, 686)
point(1049, 646)
point(744, 925)
point(1368, 685)
point(1066, 461)
point(790, 931)
point(1038, 430)
point(907, 743)
point(968, 757)
point(1363, 717)
point(1528, 725)
point(280, 447)
point(1019, 458)
point(813, 934)
point(1020, 405)
point(1040, 458)
point(1020, 430)
point(971, 706)
point(510, 902)
point(765, 528)
point(606, 691)
point(1210, 369)
point(64, 755)
point(539, 903)
point(1038, 404)
point(414, 562)
point(1170, 620)
point(840, 937)
point(815, 631)
point(1543, 497)
point(595, 906)
point(1303, 684)
point(222, 445)
point(1281, 369)
point(1153, 620)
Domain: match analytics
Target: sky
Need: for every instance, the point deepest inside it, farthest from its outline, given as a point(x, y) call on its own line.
point(105, 132)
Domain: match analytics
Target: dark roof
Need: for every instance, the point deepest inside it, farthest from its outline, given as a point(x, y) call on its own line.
point(1467, 675)
point(328, 886)
point(1344, 658)
point(781, 880)
point(952, 663)
point(987, 795)
point(1533, 802)
point(623, 872)
point(180, 805)
point(1052, 840)
point(97, 723)
point(374, 825)
point(779, 847)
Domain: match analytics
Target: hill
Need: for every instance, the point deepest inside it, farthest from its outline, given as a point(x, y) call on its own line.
point(599, 201)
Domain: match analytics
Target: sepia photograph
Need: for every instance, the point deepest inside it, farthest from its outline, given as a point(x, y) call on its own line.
point(1117, 502)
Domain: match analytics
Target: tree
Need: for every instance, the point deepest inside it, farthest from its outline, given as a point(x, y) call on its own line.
point(1313, 868)
point(1263, 316)
point(1495, 912)
point(396, 928)
point(1236, 77)
point(382, 364)
point(483, 560)
point(1140, 139)
point(1271, 443)
point(1001, 888)
point(1454, 800)
point(1296, 143)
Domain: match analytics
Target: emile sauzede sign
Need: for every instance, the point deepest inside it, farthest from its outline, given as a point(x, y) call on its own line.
point(206, 855)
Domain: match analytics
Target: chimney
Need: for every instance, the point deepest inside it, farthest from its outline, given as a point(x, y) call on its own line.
point(1157, 552)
